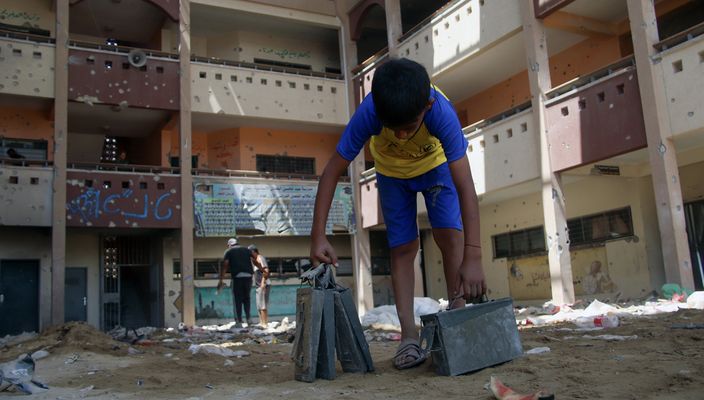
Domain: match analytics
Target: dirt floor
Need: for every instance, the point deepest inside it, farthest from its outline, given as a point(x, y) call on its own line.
point(661, 363)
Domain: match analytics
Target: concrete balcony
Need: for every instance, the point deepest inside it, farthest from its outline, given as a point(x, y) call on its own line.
point(504, 151)
point(261, 91)
point(124, 197)
point(100, 74)
point(25, 193)
point(26, 65)
point(460, 31)
point(682, 61)
point(596, 117)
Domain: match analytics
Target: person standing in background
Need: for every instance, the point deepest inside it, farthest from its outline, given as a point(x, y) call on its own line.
point(238, 260)
point(262, 283)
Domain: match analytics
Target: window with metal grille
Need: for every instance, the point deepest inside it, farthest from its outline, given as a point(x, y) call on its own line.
point(285, 164)
point(598, 228)
point(519, 243)
point(594, 229)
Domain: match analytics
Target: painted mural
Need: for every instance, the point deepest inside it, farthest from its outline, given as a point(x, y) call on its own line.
point(275, 210)
point(211, 304)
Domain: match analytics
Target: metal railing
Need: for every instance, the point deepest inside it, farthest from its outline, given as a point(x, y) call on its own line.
point(114, 49)
point(371, 60)
point(130, 168)
point(233, 173)
point(679, 38)
point(266, 67)
point(26, 37)
point(422, 24)
point(470, 129)
point(611, 69)
point(19, 162)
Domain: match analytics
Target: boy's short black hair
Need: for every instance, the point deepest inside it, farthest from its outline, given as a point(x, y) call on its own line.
point(401, 90)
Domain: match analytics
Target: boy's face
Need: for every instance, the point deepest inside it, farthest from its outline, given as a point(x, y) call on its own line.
point(407, 130)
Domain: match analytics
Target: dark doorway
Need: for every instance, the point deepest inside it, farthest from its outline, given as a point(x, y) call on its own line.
point(76, 295)
point(135, 309)
point(694, 215)
point(19, 296)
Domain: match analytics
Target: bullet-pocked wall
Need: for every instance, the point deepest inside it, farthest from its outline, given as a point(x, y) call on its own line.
point(624, 265)
point(578, 60)
point(214, 248)
point(32, 124)
point(83, 251)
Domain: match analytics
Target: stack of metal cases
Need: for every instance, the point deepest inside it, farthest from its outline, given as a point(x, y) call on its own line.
point(327, 323)
point(471, 338)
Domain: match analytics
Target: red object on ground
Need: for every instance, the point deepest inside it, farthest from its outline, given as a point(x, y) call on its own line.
point(503, 392)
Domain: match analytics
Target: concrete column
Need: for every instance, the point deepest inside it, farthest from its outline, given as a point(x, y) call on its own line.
point(361, 254)
point(557, 239)
point(394, 27)
point(58, 227)
point(187, 292)
point(661, 147)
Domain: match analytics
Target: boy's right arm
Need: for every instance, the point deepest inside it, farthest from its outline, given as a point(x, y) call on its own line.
point(321, 250)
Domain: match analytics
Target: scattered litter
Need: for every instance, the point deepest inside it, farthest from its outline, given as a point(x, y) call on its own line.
point(140, 382)
point(601, 321)
point(538, 350)
point(39, 354)
point(9, 340)
point(133, 352)
point(72, 358)
point(386, 318)
point(503, 392)
point(209, 386)
point(169, 355)
point(19, 374)
point(610, 338)
point(217, 349)
point(86, 389)
point(696, 300)
point(228, 363)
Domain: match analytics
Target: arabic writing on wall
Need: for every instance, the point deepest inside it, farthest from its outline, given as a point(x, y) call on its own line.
point(93, 204)
point(285, 53)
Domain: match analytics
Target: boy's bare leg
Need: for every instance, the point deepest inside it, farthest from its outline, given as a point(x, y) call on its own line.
point(264, 316)
point(451, 244)
point(403, 279)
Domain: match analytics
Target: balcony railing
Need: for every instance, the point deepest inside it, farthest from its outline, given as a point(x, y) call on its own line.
point(266, 67)
point(681, 59)
point(130, 168)
point(595, 117)
point(27, 63)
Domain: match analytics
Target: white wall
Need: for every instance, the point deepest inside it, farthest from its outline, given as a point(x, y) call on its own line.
point(27, 68)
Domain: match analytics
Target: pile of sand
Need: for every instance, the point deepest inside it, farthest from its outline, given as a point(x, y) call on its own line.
point(68, 337)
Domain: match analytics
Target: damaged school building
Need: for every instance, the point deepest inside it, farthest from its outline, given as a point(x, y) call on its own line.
point(136, 136)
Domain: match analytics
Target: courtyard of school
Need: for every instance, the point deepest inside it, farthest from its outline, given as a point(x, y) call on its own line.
point(656, 352)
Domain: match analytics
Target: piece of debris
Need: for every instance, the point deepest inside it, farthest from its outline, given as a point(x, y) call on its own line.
point(133, 352)
point(503, 392)
point(72, 358)
point(610, 338)
point(538, 350)
point(687, 326)
point(217, 349)
point(19, 374)
point(39, 354)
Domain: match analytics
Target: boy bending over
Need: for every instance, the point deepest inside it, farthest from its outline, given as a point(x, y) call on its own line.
point(418, 146)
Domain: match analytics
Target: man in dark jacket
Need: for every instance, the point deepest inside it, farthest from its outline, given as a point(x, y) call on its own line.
point(238, 260)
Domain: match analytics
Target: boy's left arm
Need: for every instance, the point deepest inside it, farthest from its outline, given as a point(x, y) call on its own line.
point(471, 271)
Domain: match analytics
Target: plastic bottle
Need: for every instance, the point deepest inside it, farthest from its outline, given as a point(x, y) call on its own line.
point(600, 321)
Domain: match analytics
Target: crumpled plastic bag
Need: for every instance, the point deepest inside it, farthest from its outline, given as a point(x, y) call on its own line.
point(20, 374)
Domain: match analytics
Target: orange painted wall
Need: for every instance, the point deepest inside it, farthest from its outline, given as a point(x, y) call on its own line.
point(28, 124)
point(224, 149)
point(290, 143)
point(580, 59)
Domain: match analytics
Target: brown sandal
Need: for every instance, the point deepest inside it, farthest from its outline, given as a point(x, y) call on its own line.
point(409, 355)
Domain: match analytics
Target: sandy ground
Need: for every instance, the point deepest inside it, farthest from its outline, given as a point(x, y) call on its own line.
point(661, 363)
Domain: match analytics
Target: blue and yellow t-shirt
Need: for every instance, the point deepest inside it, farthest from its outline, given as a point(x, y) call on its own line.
point(439, 139)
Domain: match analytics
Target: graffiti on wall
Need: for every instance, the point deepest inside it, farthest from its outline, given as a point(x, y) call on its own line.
point(111, 200)
point(276, 210)
point(596, 280)
point(6, 14)
point(92, 203)
point(285, 53)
